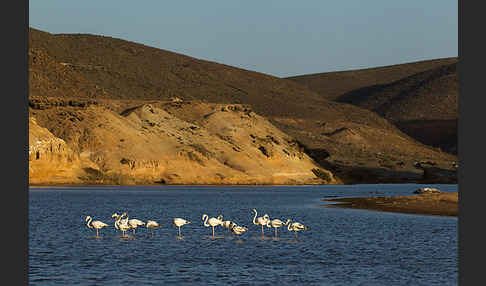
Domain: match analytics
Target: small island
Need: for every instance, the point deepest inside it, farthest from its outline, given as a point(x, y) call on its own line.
point(443, 204)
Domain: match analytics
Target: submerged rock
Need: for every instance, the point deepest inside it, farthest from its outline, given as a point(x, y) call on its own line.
point(427, 191)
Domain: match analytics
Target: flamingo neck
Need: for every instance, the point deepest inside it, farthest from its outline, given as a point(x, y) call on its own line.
point(254, 218)
point(89, 223)
point(117, 221)
point(205, 219)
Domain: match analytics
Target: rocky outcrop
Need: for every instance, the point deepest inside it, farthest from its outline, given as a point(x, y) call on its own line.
point(172, 142)
point(51, 160)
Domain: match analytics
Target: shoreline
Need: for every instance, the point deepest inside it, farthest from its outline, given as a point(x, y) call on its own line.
point(181, 185)
point(442, 204)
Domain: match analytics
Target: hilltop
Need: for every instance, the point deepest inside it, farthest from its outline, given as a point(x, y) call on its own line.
point(332, 85)
point(73, 76)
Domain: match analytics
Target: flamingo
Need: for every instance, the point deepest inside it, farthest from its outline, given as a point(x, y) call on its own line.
point(263, 220)
point(238, 230)
point(120, 223)
point(95, 224)
point(276, 223)
point(121, 219)
point(213, 222)
point(152, 225)
point(295, 227)
point(180, 222)
point(228, 224)
point(134, 223)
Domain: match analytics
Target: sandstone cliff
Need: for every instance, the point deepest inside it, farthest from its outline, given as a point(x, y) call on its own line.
point(51, 160)
point(166, 142)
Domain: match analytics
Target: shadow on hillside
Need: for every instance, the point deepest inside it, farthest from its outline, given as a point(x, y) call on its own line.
point(437, 133)
point(376, 175)
point(360, 95)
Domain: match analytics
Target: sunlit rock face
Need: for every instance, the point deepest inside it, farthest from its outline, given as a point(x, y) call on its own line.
point(165, 142)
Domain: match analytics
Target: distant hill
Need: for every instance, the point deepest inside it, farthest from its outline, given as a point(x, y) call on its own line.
point(423, 105)
point(120, 75)
point(419, 98)
point(428, 95)
point(332, 85)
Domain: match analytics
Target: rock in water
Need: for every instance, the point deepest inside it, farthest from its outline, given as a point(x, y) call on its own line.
point(427, 191)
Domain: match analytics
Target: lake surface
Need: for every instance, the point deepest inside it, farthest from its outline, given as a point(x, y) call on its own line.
point(341, 246)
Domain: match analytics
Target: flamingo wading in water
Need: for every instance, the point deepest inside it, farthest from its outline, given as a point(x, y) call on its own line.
point(295, 227)
point(95, 224)
point(120, 223)
point(238, 230)
point(263, 220)
point(276, 223)
point(212, 222)
point(152, 225)
point(228, 224)
point(180, 222)
point(134, 223)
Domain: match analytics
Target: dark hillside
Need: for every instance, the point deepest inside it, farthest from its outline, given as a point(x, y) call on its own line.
point(420, 98)
point(332, 85)
point(423, 105)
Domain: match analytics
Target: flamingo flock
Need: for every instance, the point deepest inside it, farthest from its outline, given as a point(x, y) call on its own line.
point(123, 223)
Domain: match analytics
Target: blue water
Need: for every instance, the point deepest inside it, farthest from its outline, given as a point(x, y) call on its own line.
point(341, 246)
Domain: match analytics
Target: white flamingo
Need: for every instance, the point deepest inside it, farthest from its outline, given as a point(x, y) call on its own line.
point(180, 222)
point(276, 223)
point(238, 230)
point(152, 225)
point(263, 220)
point(212, 222)
point(134, 223)
point(228, 224)
point(122, 220)
point(120, 223)
point(95, 224)
point(295, 227)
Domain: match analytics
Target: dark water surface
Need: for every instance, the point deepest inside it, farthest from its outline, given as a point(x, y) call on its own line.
point(341, 246)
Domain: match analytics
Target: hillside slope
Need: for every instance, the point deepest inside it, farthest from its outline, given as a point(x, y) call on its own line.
point(120, 75)
point(175, 143)
point(423, 105)
point(420, 98)
point(332, 85)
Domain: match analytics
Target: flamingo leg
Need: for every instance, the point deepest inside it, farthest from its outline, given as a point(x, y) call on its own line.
point(275, 232)
point(96, 232)
point(213, 231)
point(263, 234)
point(179, 231)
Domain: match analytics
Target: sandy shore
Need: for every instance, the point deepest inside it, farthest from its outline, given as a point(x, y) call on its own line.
point(445, 204)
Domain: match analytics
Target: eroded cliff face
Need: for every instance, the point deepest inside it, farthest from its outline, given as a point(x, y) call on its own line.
point(165, 143)
point(51, 160)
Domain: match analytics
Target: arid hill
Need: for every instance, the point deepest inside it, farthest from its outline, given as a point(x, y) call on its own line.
point(420, 98)
point(81, 71)
point(333, 85)
point(166, 143)
point(423, 105)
